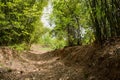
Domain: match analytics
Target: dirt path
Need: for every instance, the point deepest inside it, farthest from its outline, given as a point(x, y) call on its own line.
point(40, 65)
point(73, 63)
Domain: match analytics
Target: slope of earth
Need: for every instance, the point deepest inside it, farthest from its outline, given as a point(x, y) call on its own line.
point(89, 62)
point(100, 63)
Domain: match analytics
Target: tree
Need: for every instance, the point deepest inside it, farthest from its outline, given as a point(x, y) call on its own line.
point(17, 18)
point(69, 16)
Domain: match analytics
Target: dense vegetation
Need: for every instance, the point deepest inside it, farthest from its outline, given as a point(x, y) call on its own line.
point(77, 22)
point(70, 17)
point(105, 16)
point(82, 21)
point(18, 20)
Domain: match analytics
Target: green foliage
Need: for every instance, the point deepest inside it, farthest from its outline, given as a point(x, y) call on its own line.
point(71, 17)
point(20, 47)
point(48, 41)
point(17, 20)
point(76, 22)
point(105, 19)
point(57, 44)
point(85, 21)
point(88, 37)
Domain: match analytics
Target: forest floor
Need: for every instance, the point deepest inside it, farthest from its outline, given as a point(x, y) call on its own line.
point(89, 62)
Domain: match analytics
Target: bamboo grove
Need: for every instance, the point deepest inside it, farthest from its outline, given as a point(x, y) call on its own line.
point(81, 19)
point(105, 16)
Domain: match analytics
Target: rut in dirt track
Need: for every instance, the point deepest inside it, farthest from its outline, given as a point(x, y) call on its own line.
point(42, 66)
point(50, 67)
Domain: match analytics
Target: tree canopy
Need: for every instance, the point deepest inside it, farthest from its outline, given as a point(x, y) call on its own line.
point(17, 19)
point(70, 17)
point(85, 21)
point(77, 22)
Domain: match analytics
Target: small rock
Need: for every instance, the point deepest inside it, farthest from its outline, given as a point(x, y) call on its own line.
point(91, 78)
point(58, 59)
point(27, 79)
point(33, 78)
